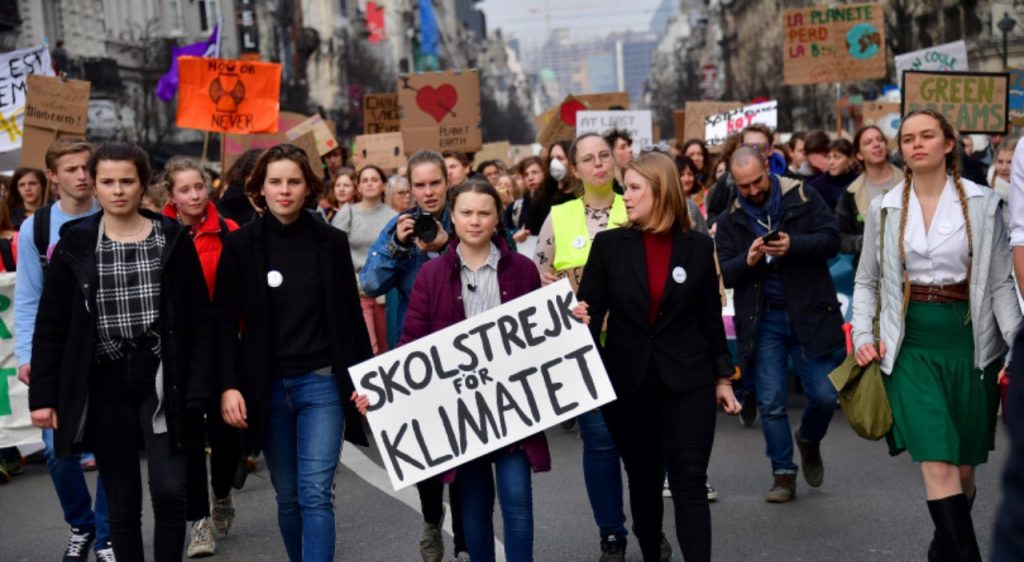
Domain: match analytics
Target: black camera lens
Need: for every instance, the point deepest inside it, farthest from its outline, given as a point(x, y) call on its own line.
point(425, 228)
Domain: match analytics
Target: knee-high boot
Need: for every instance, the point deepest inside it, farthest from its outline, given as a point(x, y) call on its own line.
point(935, 549)
point(954, 529)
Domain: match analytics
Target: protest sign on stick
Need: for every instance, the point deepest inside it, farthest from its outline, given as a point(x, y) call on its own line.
point(228, 96)
point(15, 68)
point(383, 149)
point(440, 111)
point(482, 384)
point(325, 141)
point(973, 102)
point(381, 114)
point(939, 58)
point(884, 115)
point(837, 43)
point(1017, 97)
point(719, 126)
point(54, 108)
point(637, 124)
point(697, 111)
point(15, 420)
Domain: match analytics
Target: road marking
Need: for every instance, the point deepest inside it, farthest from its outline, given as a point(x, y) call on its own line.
point(364, 467)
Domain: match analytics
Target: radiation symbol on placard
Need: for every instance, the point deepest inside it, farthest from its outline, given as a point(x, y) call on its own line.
point(227, 91)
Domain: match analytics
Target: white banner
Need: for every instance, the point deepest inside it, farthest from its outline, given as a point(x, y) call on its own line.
point(15, 66)
point(718, 127)
point(482, 384)
point(636, 123)
point(15, 421)
point(940, 58)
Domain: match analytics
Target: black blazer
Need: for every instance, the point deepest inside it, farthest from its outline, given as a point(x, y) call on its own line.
point(242, 300)
point(686, 344)
point(63, 346)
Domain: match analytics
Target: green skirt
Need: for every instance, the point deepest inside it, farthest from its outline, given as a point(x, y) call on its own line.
point(943, 408)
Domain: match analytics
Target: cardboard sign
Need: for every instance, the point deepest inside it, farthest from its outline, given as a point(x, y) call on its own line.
point(228, 96)
point(718, 127)
point(973, 102)
point(381, 114)
point(440, 111)
point(679, 124)
point(325, 141)
point(636, 123)
point(58, 104)
point(482, 384)
point(234, 146)
point(607, 100)
point(15, 419)
point(697, 111)
point(492, 151)
point(15, 68)
point(384, 150)
point(561, 123)
point(517, 152)
point(884, 115)
point(947, 57)
point(307, 142)
point(839, 43)
point(1017, 97)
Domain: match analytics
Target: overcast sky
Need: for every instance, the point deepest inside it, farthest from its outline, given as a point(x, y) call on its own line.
point(525, 18)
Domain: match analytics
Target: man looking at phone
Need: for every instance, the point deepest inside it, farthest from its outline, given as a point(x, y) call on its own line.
point(774, 242)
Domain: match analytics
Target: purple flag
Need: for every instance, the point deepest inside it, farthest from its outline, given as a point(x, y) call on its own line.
point(168, 84)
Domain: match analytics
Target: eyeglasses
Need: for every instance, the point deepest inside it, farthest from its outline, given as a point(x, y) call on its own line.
point(661, 147)
point(604, 156)
point(758, 146)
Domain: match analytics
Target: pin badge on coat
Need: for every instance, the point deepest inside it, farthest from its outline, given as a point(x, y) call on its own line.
point(274, 279)
point(580, 242)
point(679, 275)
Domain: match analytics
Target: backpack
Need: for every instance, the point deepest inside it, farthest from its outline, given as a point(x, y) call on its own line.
point(41, 233)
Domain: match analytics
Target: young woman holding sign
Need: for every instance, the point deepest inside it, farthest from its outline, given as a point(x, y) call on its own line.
point(665, 352)
point(478, 273)
point(948, 313)
point(287, 281)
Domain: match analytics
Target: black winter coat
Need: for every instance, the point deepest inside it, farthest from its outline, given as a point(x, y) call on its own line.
point(811, 302)
point(63, 347)
point(242, 300)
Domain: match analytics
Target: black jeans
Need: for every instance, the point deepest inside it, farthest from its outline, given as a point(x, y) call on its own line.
point(122, 401)
point(655, 428)
point(431, 499)
point(225, 453)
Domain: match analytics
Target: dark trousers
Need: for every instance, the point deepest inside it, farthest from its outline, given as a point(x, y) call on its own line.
point(1009, 538)
point(431, 503)
point(656, 428)
point(122, 401)
point(225, 453)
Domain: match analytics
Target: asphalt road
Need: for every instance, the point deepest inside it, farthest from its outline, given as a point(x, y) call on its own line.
point(870, 508)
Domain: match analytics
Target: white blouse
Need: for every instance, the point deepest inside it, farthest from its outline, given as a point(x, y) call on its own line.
point(937, 256)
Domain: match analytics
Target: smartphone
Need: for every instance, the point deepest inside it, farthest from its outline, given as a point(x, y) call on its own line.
point(771, 236)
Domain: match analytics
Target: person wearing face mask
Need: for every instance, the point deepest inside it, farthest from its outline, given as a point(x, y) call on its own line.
point(562, 249)
point(363, 222)
point(667, 359)
point(878, 177)
point(842, 170)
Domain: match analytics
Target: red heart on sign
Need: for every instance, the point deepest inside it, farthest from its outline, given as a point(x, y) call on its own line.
point(437, 102)
point(569, 110)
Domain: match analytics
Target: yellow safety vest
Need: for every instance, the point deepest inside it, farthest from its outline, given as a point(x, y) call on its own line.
point(572, 238)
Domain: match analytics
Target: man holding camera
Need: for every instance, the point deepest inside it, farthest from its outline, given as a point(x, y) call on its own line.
point(774, 242)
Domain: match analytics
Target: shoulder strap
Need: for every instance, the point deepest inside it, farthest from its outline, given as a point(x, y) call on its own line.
point(7, 254)
point(41, 233)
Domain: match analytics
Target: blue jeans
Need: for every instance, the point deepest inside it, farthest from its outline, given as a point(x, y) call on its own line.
point(602, 474)
point(73, 493)
point(776, 344)
point(303, 441)
point(515, 492)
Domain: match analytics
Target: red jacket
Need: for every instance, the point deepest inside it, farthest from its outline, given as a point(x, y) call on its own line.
point(207, 238)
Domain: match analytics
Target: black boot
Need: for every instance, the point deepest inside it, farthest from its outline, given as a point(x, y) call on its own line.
point(935, 551)
point(954, 530)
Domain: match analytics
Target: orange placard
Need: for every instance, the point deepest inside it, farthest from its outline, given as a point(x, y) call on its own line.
point(228, 96)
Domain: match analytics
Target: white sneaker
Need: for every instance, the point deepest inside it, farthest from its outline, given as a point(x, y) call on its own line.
point(106, 554)
point(200, 542)
point(665, 491)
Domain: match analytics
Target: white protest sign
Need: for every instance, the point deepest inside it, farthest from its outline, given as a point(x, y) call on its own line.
point(15, 66)
point(940, 58)
point(482, 384)
point(636, 123)
point(718, 127)
point(15, 419)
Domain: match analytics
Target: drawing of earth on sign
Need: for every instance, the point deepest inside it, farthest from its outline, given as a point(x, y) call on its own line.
point(227, 92)
point(437, 102)
point(863, 41)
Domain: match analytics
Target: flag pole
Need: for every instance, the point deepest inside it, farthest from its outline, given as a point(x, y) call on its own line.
point(206, 144)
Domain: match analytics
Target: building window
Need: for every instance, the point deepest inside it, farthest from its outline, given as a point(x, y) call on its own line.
point(175, 17)
point(209, 14)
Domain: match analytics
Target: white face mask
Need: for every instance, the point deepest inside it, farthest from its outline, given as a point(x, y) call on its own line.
point(557, 170)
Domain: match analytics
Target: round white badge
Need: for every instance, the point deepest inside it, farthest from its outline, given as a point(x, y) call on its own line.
point(580, 242)
point(274, 278)
point(945, 228)
point(679, 274)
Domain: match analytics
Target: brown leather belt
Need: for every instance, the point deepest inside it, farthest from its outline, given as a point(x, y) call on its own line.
point(939, 293)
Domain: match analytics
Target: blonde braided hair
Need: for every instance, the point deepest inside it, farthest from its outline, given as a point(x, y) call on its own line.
point(952, 167)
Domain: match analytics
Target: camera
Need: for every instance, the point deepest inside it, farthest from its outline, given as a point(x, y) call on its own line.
point(424, 227)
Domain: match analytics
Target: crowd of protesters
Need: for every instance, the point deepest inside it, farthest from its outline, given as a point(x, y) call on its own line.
point(212, 322)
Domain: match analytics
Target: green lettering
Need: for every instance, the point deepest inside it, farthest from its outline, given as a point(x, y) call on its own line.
point(5, 303)
point(5, 397)
point(986, 90)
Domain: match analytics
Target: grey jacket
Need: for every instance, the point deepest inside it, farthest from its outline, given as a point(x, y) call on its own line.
point(995, 312)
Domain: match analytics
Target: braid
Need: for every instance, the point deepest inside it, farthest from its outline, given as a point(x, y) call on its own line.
point(908, 178)
point(967, 218)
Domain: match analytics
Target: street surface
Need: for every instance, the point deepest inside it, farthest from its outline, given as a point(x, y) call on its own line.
point(870, 508)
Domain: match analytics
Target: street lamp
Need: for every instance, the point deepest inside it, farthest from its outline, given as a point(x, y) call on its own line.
point(1006, 25)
